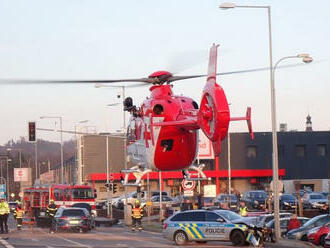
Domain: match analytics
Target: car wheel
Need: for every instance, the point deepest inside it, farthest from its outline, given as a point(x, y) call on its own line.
point(180, 238)
point(237, 238)
point(322, 240)
point(304, 238)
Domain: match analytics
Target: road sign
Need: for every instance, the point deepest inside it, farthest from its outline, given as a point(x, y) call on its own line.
point(12, 195)
point(20, 194)
point(188, 185)
point(2, 187)
point(188, 193)
point(280, 186)
point(210, 190)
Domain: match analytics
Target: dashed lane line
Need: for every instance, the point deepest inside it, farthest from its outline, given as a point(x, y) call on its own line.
point(5, 243)
point(68, 240)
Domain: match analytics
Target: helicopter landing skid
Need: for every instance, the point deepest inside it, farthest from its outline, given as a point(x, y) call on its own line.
point(137, 172)
point(200, 174)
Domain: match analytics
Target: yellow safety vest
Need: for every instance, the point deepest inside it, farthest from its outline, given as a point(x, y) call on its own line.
point(137, 213)
point(243, 211)
point(4, 208)
point(19, 213)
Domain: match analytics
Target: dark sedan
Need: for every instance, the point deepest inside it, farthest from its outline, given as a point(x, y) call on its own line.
point(288, 201)
point(77, 219)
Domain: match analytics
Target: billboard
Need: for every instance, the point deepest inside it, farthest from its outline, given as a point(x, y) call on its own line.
point(21, 174)
point(205, 150)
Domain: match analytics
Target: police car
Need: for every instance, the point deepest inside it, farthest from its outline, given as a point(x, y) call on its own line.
point(202, 226)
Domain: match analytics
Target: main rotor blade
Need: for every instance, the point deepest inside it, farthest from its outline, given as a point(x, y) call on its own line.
point(177, 78)
point(41, 81)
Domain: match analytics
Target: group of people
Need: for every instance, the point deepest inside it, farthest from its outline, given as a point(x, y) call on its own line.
point(4, 213)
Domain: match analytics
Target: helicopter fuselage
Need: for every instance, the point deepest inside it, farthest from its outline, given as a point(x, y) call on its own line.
point(163, 147)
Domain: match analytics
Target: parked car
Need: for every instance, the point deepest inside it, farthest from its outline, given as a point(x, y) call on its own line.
point(90, 210)
point(301, 233)
point(229, 199)
point(166, 200)
point(284, 223)
point(12, 206)
point(327, 241)
point(206, 225)
point(77, 219)
point(255, 199)
point(312, 200)
point(317, 234)
point(133, 196)
point(263, 219)
point(288, 201)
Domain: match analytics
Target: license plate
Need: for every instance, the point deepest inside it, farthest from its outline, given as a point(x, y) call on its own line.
point(74, 222)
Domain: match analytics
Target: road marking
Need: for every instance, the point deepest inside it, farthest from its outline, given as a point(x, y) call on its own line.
point(5, 243)
point(68, 240)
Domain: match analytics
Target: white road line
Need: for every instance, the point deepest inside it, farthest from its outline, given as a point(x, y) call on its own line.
point(68, 240)
point(5, 243)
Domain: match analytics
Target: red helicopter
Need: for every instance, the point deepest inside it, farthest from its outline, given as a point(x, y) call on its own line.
point(163, 133)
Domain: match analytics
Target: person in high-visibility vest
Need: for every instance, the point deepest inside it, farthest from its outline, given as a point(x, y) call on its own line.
point(137, 214)
point(4, 213)
point(18, 213)
point(243, 209)
point(51, 211)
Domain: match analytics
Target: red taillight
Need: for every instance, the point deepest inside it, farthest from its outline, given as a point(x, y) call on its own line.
point(63, 218)
point(165, 225)
point(84, 218)
point(93, 207)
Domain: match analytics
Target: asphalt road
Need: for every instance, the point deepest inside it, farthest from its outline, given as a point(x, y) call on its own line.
point(115, 236)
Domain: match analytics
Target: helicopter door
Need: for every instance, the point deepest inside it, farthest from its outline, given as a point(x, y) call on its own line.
point(135, 142)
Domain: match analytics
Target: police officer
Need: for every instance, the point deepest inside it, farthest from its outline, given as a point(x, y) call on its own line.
point(242, 209)
point(18, 214)
point(137, 214)
point(4, 212)
point(51, 211)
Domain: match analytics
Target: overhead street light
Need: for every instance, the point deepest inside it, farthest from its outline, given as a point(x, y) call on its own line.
point(306, 59)
point(99, 85)
point(78, 165)
point(60, 118)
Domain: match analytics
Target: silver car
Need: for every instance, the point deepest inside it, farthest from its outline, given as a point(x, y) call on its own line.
point(202, 226)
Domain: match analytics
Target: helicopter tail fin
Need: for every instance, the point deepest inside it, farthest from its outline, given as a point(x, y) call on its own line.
point(248, 121)
point(214, 116)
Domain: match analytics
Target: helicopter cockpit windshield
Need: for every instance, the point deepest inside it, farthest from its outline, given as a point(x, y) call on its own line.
point(134, 130)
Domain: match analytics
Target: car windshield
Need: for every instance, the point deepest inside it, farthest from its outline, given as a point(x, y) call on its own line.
point(317, 196)
point(229, 215)
point(84, 193)
point(288, 198)
point(227, 197)
point(73, 212)
point(312, 221)
point(260, 195)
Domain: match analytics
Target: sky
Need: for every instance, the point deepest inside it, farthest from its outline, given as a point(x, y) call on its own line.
point(104, 39)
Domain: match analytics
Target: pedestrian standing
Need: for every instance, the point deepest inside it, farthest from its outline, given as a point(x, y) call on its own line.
point(293, 223)
point(18, 213)
point(243, 209)
point(4, 213)
point(137, 214)
point(51, 211)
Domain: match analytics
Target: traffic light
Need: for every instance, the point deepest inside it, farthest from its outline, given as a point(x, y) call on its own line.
point(109, 186)
point(32, 131)
point(114, 188)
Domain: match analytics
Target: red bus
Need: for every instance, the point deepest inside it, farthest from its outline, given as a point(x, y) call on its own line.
point(36, 199)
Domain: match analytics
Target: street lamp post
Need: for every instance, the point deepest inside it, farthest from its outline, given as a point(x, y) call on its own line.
point(99, 85)
point(78, 165)
point(60, 118)
point(19, 152)
point(273, 109)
